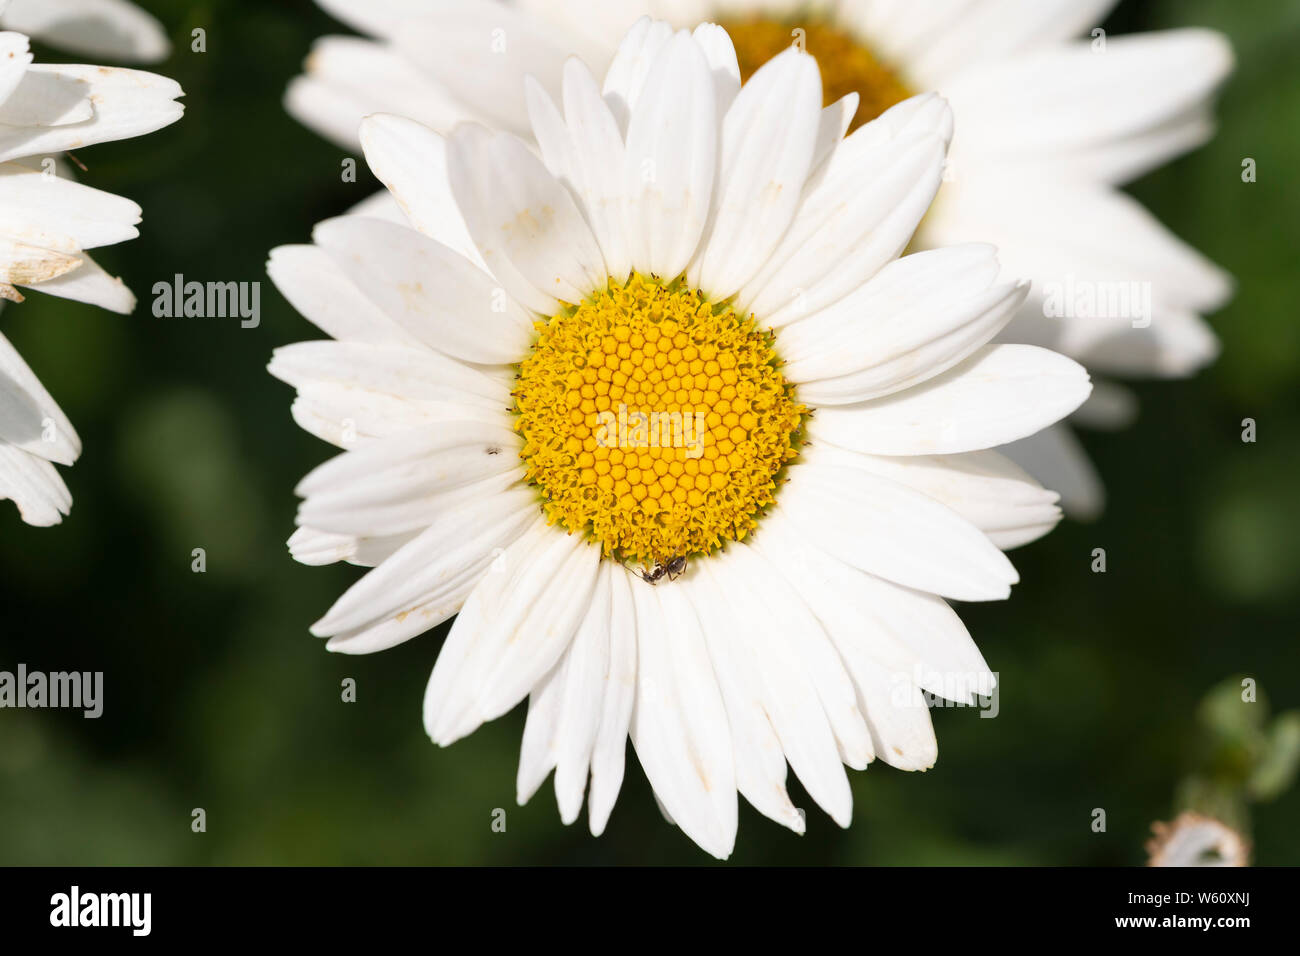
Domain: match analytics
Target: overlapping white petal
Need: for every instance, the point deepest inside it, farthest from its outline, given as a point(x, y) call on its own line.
point(999, 394)
point(679, 722)
point(843, 234)
point(671, 161)
point(766, 152)
point(917, 318)
point(524, 222)
point(985, 488)
point(348, 79)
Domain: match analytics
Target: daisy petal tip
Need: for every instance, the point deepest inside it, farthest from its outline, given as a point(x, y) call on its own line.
point(1217, 56)
point(720, 851)
point(533, 88)
point(339, 645)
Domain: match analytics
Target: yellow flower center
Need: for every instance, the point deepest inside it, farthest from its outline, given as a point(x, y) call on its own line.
point(654, 420)
point(847, 66)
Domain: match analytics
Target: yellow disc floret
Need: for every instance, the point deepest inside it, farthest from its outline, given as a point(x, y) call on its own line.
point(846, 64)
point(655, 420)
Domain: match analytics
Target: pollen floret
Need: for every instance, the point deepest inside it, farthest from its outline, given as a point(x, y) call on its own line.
point(655, 420)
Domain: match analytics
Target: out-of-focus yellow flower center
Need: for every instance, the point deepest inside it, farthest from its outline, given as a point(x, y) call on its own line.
point(655, 420)
point(847, 66)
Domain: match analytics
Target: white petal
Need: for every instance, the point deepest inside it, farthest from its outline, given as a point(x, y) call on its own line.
point(34, 485)
point(1129, 157)
point(834, 126)
point(586, 150)
point(618, 697)
point(348, 79)
point(582, 705)
point(768, 137)
point(450, 685)
point(22, 263)
point(626, 77)
point(917, 318)
point(524, 222)
point(941, 38)
point(1111, 243)
point(899, 719)
point(410, 373)
point(15, 58)
point(1075, 97)
point(79, 278)
point(896, 712)
point(858, 213)
point(312, 546)
point(437, 295)
point(411, 160)
point(524, 635)
point(890, 530)
point(441, 564)
point(679, 724)
point(307, 277)
point(789, 693)
point(316, 548)
point(482, 52)
point(57, 213)
point(760, 761)
point(394, 484)
point(349, 417)
point(672, 157)
point(537, 750)
point(383, 205)
point(127, 103)
point(721, 54)
point(1056, 458)
point(45, 99)
point(603, 24)
point(1176, 344)
point(792, 618)
point(383, 18)
point(910, 636)
point(1001, 393)
point(29, 418)
point(985, 488)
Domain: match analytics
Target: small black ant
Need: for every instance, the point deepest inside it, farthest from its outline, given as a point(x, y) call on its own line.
point(672, 569)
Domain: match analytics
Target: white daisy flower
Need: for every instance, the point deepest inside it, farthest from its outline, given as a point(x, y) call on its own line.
point(664, 419)
point(115, 30)
point(47, 222)
point(1048, 128)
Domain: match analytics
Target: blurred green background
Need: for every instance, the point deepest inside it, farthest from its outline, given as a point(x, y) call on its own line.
point(217, 697)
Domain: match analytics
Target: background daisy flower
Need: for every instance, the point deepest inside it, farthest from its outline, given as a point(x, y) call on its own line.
point(1048, 128)
point(722, 257)
point(47, 222)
